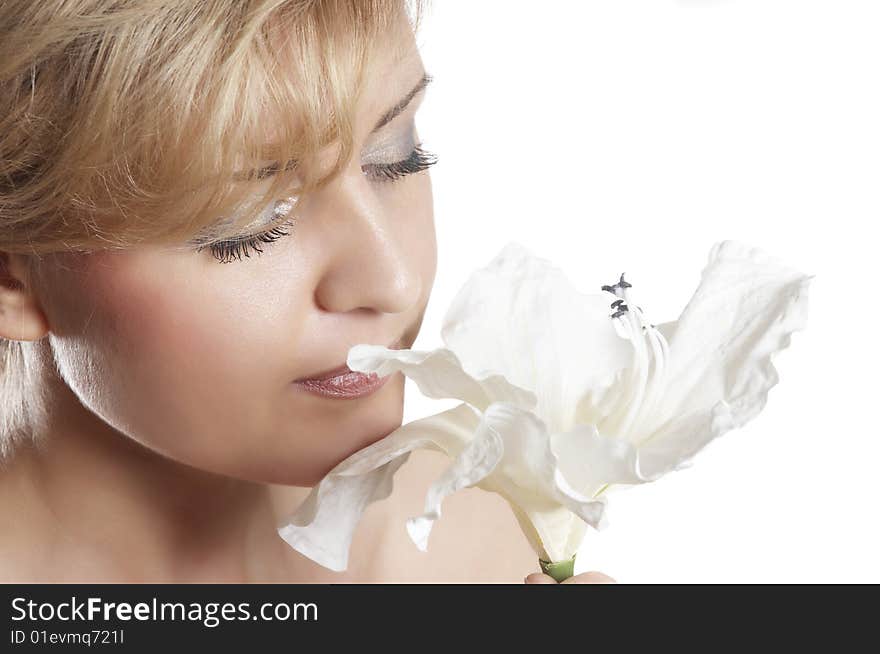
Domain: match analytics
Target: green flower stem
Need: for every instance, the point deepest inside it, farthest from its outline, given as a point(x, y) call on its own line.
point(559, 570)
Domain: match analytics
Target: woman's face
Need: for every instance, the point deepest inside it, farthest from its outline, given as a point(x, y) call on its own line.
point(195, 359)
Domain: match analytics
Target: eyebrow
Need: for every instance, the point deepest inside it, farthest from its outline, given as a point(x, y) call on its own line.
point(391, 114)
point(397, 109)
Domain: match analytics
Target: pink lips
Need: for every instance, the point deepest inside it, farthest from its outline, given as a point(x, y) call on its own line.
point(347, 385)
point(344, 383)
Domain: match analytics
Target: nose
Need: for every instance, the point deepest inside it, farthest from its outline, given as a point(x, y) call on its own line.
point(367, 262)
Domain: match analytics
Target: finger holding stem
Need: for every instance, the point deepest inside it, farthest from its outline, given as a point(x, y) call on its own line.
point(562, 572)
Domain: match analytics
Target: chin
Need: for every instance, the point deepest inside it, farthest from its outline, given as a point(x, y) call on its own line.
point(340, 455)
point(308, 473)
point(305, 465)
point(277, 473)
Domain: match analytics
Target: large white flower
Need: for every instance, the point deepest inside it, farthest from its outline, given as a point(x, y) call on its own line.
point(565, 394)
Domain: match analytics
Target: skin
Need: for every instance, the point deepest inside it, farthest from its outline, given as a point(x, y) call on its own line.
point(175, 442)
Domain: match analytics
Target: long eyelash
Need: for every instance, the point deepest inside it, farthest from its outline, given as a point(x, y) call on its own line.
point(227, 251)
point(418, 160)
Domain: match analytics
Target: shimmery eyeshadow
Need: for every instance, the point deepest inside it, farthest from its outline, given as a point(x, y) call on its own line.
point(273, 213)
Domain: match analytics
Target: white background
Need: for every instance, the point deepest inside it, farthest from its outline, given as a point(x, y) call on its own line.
point(631, 135)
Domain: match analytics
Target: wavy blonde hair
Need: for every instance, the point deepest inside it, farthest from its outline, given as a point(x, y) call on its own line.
point(141, 121)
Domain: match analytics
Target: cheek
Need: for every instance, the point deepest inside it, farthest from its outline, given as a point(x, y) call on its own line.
point(193, 360)
point(198, 328)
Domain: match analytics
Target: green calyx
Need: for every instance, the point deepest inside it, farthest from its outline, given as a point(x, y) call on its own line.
point(559, 570)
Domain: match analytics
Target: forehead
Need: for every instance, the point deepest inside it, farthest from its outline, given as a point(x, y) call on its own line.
point(390, 75)
point(394, 51)
point(392, 67)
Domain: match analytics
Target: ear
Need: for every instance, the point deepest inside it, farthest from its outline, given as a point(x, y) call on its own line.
point(21, 318)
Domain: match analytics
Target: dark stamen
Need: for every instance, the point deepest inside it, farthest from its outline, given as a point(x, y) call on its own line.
point(620, 284)
point(622, 310)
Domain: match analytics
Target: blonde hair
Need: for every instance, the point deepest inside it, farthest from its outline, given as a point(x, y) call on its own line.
point(141, 121)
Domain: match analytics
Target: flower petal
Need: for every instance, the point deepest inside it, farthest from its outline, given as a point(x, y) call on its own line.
point(527, 476)
point(439, 374)
point(520, 316)
point(448, 431)
point(323, 526)
point(475, 461)
point(719, 368)
point(588, 460)
point(673, 445)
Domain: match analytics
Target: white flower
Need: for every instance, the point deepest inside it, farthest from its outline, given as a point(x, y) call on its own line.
point(565, 394)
